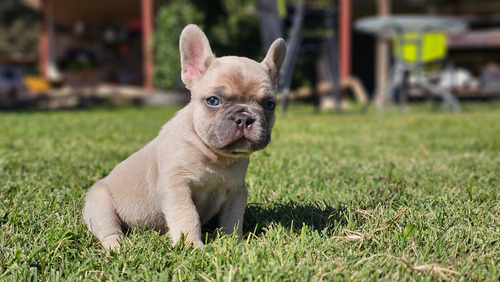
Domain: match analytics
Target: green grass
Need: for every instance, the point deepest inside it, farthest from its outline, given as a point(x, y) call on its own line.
point(336, 197)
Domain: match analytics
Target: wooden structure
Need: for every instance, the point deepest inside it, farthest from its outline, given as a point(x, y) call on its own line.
point(55, 12)
point(110, 12)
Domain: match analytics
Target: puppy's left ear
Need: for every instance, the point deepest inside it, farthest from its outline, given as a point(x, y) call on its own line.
point(274, 58)
point(196, 54)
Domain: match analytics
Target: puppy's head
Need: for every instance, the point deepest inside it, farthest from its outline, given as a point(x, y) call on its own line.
point(234, 98)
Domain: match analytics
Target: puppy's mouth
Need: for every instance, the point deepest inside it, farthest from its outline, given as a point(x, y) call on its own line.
point(243, 145)
point(240, 147)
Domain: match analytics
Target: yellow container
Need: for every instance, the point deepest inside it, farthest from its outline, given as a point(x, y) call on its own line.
point(36, 84)
point(408, 45)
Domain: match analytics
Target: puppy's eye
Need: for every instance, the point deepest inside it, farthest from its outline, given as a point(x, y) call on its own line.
point(269, 105)
point(213, 101)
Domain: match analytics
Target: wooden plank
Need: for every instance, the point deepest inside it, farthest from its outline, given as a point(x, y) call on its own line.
point(95, 11)
point(382, 54)
point(474, 40)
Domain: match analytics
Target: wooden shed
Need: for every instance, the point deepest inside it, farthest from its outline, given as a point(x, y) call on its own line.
point(93, 41)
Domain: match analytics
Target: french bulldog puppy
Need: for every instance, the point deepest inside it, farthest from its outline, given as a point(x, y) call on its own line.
point(195, 168)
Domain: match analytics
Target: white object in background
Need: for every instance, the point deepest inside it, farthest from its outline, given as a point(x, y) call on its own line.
point(458, 78)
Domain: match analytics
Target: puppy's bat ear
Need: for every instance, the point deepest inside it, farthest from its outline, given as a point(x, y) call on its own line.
point(196, 54)
point(274, 58)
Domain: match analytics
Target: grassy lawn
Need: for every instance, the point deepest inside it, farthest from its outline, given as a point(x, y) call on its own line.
point(336, 197)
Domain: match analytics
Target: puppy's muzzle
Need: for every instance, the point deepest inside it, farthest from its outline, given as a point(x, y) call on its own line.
point(242, 129)
point(243, 121)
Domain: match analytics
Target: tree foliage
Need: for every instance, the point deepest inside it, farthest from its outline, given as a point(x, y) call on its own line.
point(18, 29)
point(170, 20)
point(231, 27)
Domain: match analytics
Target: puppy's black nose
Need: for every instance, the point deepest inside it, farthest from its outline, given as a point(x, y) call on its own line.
point(243, 121)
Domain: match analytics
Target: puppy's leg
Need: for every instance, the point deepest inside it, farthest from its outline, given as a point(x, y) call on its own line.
point(101, 217)
point(181, 214)
point(231, 214)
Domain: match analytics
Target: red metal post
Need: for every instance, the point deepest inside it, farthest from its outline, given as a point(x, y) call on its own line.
point(147, 35)
point(43, 38)
point(345, 39)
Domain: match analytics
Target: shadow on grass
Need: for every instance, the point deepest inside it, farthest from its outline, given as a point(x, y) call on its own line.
point(317, 216)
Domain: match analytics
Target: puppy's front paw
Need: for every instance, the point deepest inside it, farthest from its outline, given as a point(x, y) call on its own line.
point(197, 243)
point(111, 243)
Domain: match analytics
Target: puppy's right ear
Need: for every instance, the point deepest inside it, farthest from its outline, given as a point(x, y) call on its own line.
point(196, 55)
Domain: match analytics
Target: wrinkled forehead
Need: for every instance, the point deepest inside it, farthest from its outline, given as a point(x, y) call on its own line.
point(237, 75)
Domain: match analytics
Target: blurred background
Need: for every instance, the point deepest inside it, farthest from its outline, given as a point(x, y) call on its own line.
point(64, 54)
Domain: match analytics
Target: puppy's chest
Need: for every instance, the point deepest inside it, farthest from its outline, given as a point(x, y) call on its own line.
point(212, 190)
